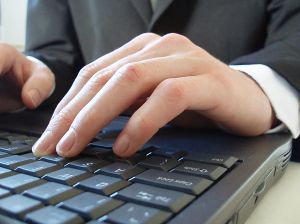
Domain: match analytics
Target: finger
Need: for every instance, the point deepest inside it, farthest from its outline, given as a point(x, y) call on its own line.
point(169, 99)
point(89, 70)
point(12, 63)
point(38, 86)
point(121, 91)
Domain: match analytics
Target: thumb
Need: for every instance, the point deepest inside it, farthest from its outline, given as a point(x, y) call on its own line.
point(39, 85)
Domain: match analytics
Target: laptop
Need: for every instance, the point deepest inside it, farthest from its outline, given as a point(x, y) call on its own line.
point(179, 176)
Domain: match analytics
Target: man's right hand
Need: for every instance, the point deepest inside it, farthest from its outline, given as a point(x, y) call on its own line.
point(23, 81)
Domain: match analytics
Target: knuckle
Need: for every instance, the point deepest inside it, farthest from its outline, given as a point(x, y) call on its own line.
point(147, 125)
point(174, 39)
point(148, 36)
point(131, 73)
point(173, 90)
point(87, 71)
point(99, 79)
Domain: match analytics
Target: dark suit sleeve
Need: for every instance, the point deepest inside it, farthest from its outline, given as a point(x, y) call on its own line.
point(282, 45)
point(50, 37)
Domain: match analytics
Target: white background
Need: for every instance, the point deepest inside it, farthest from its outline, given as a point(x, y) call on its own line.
point(13, 20)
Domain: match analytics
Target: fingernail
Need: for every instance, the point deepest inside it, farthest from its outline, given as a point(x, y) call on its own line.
point(43, 145)
point(67, 142)
point(35, 97)
point(122, 144)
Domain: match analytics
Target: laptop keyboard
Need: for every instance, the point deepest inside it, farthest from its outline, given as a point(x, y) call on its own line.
point(152, 186)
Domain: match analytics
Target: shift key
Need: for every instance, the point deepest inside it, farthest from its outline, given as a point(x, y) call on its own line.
point(179, 182)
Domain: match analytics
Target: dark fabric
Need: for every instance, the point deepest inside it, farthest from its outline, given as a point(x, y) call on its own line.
point(66, 35)
point(69, 34)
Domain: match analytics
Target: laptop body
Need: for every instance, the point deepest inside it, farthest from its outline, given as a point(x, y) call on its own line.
point(230, 199)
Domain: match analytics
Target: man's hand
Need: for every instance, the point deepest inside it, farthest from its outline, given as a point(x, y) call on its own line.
point(162, 77)
point(23, 82)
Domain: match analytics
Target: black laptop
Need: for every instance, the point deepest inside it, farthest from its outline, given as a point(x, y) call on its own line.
point(179, 176)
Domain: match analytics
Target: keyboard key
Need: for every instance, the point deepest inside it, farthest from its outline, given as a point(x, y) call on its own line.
point(208, 171)
point(132, 213)
point(96, 152)
point(4, 193)
point(38, 168)
point(9, 220)
point(169, 200)
point(102, 184)
point(52, 193)
point(56, 159)
point(67, 176)
point(5, 172)
point(132, 160)
point(12, 162)
point(20, 182)
point(3, 154)
point(158, 162)
point(103, 143)
point(90, 205)
point(219, 160)
point(30, 155)
point(53, 215)
point(169, 153)
point(88, 164)
point(188, 184)
point(18, 205)
point(15, 149)
point(120, 170)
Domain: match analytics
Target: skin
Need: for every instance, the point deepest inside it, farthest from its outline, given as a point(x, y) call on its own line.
point(23, 82)
point(160, 80)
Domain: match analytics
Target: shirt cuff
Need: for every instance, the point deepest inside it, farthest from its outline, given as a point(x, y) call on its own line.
point(283, 97)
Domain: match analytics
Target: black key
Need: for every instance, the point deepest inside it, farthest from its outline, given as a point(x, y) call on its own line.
point(88, 164)
point(30, 155)
point(132, 160)
point(5, 172)
point(208, 171)
point(220, 160)
point(132, 213)
point(23, 140)
point(169, 200)
point(3, 154)
point(53, 215)
point(18, 205)
point(4, 193)
point(96, 152)
point(38, 168)
point(67, 176)
point(169, 153)
point(189, 184)
point(102, 184)
point(120, 170)
point(52, 193)
point(20, 182)
point(9, 220)
point(90, 205)
point(15, 149)
point(56, 159)
point(103, 143)
point(11, 162)
point(158, 162)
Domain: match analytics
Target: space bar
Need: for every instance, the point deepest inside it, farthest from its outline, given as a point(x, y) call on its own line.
point(179, 182)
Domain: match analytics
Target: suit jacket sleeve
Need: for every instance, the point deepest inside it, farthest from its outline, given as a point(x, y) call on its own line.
point(50, 37)
point(282, 45)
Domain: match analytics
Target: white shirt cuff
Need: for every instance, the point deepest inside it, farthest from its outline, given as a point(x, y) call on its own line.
point(283, 97)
